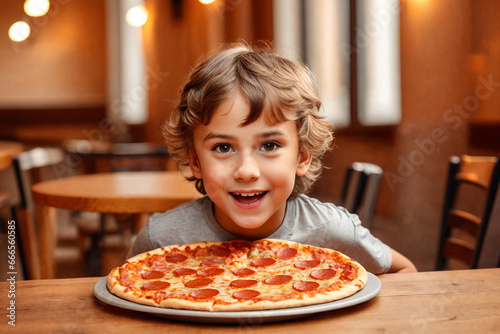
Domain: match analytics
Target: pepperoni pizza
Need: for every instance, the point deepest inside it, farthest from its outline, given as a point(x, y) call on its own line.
point(237, 275)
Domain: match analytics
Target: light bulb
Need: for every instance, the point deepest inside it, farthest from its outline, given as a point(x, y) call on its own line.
point(19, 31)
point(36, 8)
point(206, 2)
point(137, 16)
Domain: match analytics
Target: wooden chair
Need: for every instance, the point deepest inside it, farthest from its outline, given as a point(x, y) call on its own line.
point(29, 169)
point(5, 196)
point(471, 189)
point(96, 234)
point(360, 190)
point(106, 156)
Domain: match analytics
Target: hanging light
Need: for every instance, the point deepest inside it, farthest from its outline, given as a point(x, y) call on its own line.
point(36, 8)
point(137, 16)
point(206, 2)
point(19, 31)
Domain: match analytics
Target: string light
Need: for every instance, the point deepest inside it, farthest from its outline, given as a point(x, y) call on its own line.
point(36, 8)
point(19, 31)
point(137, 16)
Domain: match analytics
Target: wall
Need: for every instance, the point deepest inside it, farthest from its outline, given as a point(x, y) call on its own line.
point(53, 85)
point(63, 62)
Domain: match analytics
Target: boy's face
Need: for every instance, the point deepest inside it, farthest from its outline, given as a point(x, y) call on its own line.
point(248, 171)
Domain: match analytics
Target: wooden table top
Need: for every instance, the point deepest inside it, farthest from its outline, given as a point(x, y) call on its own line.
point(427, 302)
point(122, 192)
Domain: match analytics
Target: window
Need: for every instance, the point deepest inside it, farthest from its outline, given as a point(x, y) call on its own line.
point(352, 47)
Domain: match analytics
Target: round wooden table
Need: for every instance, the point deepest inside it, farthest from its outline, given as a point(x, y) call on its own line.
point(124, 192)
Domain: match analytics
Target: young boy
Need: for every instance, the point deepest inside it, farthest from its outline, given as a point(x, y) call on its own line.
point(247, 126)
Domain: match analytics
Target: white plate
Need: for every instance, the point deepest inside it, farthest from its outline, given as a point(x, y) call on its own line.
point(371, 289)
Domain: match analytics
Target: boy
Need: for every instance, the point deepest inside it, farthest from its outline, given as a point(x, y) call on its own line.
point(247, 125)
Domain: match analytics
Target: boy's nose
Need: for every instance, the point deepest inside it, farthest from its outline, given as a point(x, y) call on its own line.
point(247, 169)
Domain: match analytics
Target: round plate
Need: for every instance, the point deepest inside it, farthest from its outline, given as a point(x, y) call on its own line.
point(371, 289)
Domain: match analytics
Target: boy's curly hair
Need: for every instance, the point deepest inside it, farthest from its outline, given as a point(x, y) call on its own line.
point(276, 87)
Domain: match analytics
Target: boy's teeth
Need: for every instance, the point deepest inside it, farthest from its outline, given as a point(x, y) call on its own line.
point(247, 195)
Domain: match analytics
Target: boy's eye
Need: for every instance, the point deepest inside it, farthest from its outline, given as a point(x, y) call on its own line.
point(223, 148)
point(269, 146)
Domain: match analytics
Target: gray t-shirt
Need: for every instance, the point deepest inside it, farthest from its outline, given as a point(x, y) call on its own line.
point(307, 221)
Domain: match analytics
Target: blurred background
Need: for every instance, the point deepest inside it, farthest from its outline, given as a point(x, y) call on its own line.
point(407, 83)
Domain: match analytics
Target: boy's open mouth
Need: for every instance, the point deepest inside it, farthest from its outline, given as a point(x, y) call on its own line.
point(248, 198)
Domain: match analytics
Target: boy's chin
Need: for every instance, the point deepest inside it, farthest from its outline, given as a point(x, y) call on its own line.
point(249, 226)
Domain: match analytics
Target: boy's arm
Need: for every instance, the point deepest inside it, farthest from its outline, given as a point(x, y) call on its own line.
point(401, 264)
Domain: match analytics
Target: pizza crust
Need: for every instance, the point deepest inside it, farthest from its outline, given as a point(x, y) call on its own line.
point(134, 294)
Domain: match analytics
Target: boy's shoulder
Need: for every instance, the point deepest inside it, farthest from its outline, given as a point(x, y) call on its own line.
point(305, 205)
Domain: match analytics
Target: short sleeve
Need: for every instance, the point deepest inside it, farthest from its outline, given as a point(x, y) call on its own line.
point(141, 244)
point(369, 250)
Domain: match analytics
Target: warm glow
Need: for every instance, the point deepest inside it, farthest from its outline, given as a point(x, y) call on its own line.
point(137, 16)
point(36, 7)
point(19, 31)
point(206, 2)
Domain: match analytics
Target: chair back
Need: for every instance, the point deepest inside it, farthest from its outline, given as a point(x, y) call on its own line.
point(115, 157)
point(29, 167)
point(471, 188)
point(361, 189)
point(8, 193)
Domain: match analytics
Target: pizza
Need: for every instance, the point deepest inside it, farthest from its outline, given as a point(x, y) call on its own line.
point(236, 276)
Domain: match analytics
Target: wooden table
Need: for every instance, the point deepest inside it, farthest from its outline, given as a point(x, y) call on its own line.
point(427, 302)
point(124, 192)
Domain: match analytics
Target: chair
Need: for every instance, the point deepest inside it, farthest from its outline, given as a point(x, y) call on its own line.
point(29, 168)
point(106, 156)
point(360, 190)
point(471, 189)
point(5, 197)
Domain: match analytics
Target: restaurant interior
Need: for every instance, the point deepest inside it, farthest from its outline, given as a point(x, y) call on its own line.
point(85, 74)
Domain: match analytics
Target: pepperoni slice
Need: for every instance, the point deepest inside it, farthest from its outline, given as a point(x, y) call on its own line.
point(307, 264)
point(306, 286)
point(204, 293)
point(184, 272)
point(209, 272)
point(153, 274)
point(286, 253)
point(246, 294)
point(240, 244)
point(220, 251)
point(126, 281)
point(212, 262)
point(323, 273)
point(278, 279)
point(156, 285)
point(243, 272)
point(175, 258)
point(263, 262)
point(243, 283)
point(198, 283)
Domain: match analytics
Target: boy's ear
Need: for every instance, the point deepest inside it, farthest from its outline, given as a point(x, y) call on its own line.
point(194, 165)
point(305, 159)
